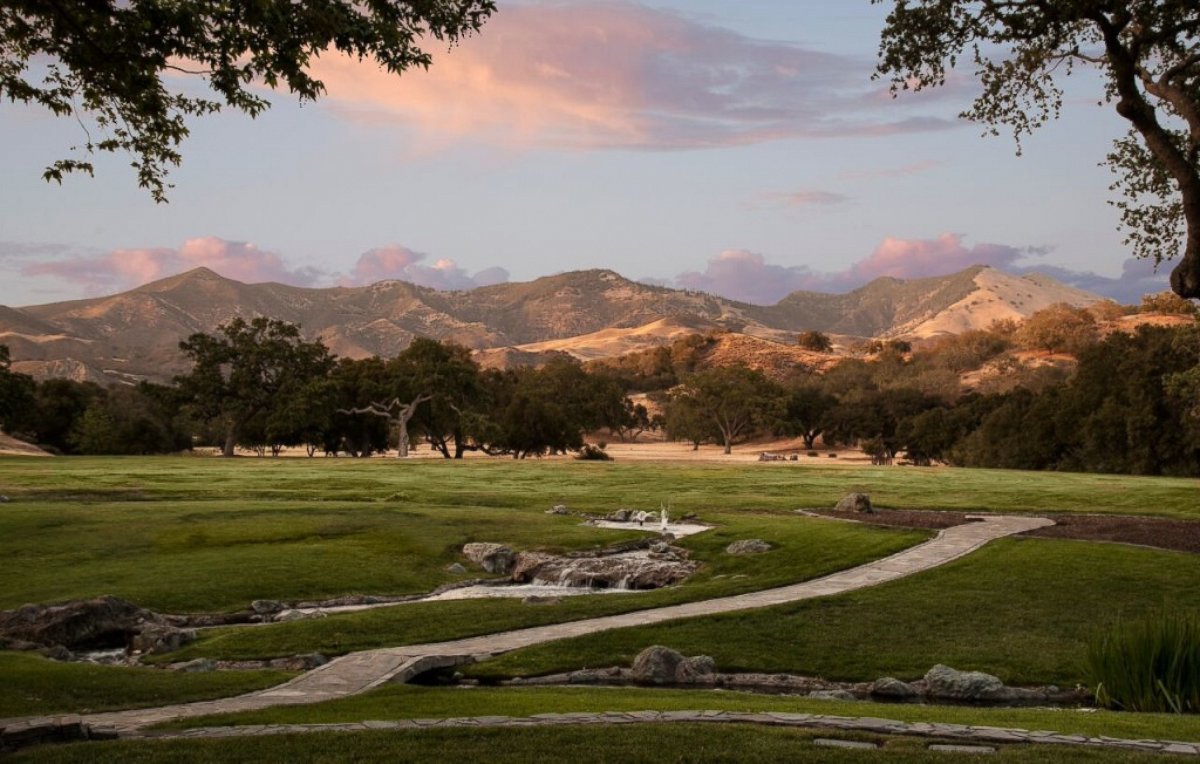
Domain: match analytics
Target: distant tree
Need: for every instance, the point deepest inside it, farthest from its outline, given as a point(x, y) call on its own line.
point(353, 384)
point(451, 377)
point(16, 392)
point(806, 407)
point(685, 419)
point(1147, 51)
point(1111, 310)
point(736, 400)
point(112, 61)
point(1168, 303)
point(966, 351)
point(815, 341)
point(130, 421)
point(246, 369)
point(874, 417)
point(1060, 328)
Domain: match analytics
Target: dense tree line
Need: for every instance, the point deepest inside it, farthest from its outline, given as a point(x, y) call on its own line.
point(1130, 403)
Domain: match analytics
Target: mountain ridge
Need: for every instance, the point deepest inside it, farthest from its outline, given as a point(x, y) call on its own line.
point(135, 334)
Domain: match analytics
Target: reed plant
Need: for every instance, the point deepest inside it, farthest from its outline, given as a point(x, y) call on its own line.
point(1148, 664)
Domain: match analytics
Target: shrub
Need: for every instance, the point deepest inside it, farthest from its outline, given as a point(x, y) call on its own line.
point(1152, 664)
point(594, 453)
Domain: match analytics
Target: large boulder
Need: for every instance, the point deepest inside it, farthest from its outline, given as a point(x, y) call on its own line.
point(104, 622)
point(854, 502)
point(891, 688)
point(662, 665)
point(945, 683)
point(748, 546)
point(601, 572)
point(494, 558)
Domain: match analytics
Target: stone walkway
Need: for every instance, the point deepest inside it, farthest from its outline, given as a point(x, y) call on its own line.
point(358, 672)
point(959, 732)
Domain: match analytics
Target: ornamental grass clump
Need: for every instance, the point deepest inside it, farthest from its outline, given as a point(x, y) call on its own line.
point(1151, 664)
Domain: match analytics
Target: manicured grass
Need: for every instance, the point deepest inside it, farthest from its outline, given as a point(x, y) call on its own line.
point(1022, 609)
point(411, 702)
point(804, 548)
point(533, 485)
point(33, 686)
point(628, 743)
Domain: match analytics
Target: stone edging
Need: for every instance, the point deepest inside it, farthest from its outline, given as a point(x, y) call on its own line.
point(959, 732)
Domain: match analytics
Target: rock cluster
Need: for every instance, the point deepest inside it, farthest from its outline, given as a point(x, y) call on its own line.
point(602, 572)
point(104, 622)
point(662, 665)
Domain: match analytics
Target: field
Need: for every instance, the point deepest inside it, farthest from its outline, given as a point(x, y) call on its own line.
point(204, 535)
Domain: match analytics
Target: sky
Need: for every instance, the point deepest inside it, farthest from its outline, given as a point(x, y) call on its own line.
point(738, 147)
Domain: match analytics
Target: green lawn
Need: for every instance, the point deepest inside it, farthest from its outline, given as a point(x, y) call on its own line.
point(413, 702)
point(804, 548)
point(628, 743)
point(33, 685)
point(1022, 609)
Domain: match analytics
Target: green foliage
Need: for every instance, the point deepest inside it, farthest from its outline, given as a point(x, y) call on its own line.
point(113, 63)
point(807, 407)
point(247, 371)
point(731, 402)
point(16, 391)
point(1150, 664)
point(1060, 328)
point(1148, 54)
point(1170, 304)
point(816, 341)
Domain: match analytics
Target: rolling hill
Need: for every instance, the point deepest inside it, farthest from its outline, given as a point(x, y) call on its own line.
point(135, 334)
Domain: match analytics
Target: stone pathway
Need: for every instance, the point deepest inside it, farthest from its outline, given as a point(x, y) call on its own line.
point(358, 672)
point(969, 735)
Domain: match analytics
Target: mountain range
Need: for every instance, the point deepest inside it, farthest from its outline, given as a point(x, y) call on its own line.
point(135, 334)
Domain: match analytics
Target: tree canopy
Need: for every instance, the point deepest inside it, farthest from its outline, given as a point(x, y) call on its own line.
point(114, 64)
point(1148, 52)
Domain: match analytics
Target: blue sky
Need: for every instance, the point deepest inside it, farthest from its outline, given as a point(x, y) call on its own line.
point(734, 146)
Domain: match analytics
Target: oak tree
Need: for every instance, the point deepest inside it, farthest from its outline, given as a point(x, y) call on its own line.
point(1147, 51)
point(122, 64)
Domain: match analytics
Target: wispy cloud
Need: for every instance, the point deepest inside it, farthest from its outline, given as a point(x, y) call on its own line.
point(806, 198)
point(593, 74)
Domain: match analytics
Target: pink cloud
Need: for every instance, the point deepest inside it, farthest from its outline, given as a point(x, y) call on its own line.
point(402, 263)
point(748, 277)
point(128, 268)
point(622, 75)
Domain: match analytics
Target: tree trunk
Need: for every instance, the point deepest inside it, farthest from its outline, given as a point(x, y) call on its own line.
point(230, 442)
point(728, 442)
point(809, 440)
point(402, 446)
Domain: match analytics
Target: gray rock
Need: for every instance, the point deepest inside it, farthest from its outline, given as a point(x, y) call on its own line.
point(456, 568)
point(3, 499)
point(154, 639)
point(266, 607)
point(558, 509)
point(691, 669)
point(832, 695)
point(767, 456)
point(748, 546)
point(619, 516)
point(854, 502)
point(892, 688)
point(494, 558)
point(945, 683)
point(854, 745)
point(662, 665)
point(656, 664)
point(198, 666)
point(57, 653)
